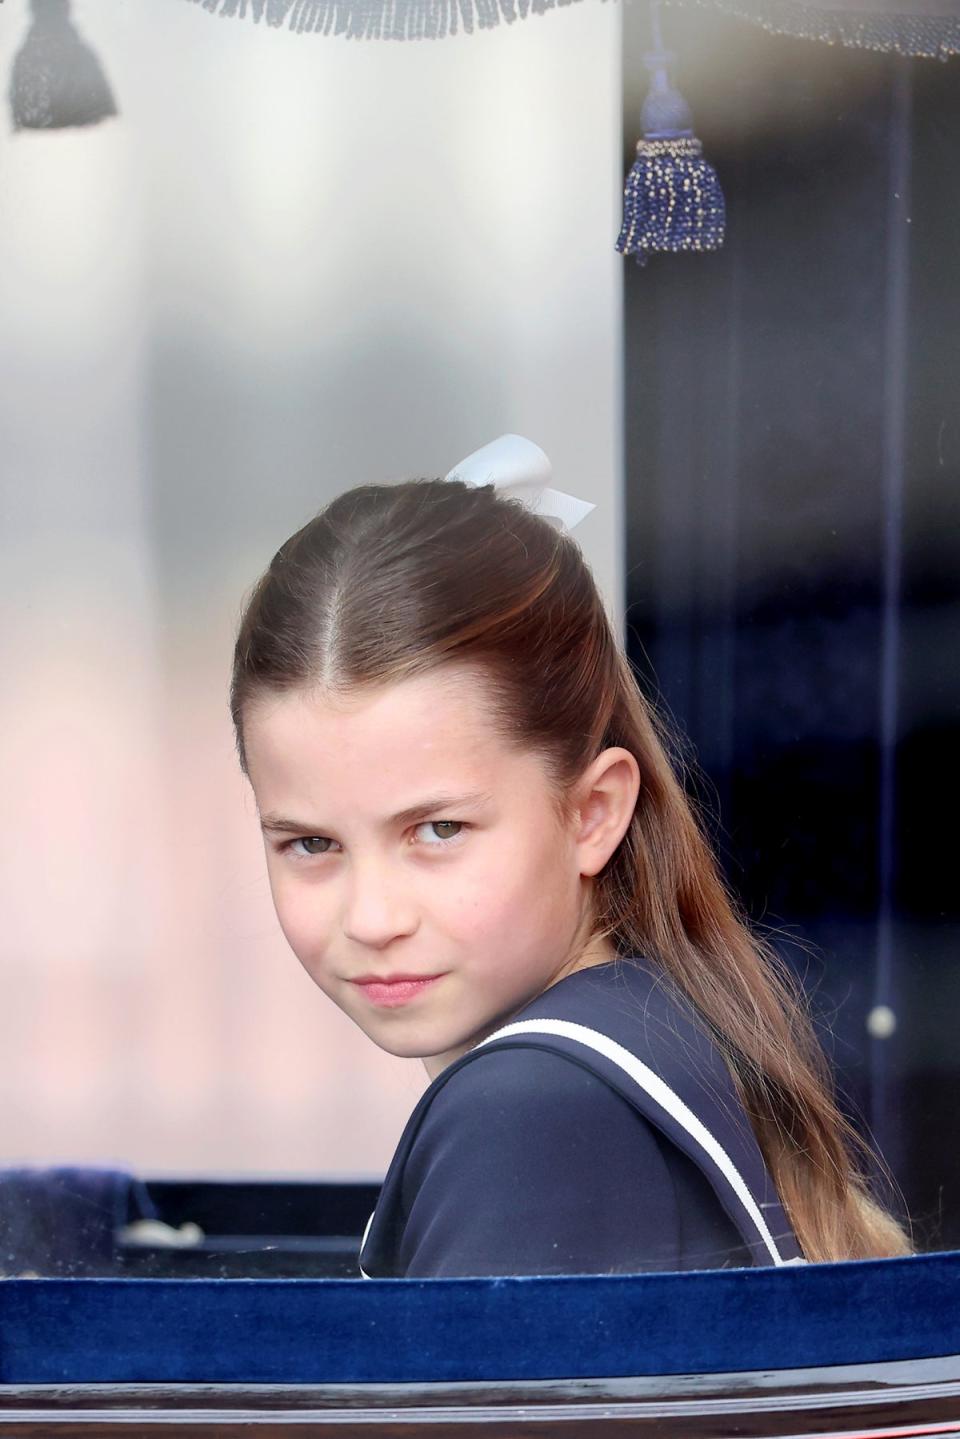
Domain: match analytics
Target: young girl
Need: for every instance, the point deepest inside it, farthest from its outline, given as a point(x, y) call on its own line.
point(479, 850)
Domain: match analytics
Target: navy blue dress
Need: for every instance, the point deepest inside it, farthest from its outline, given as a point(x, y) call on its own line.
point(599, 1132)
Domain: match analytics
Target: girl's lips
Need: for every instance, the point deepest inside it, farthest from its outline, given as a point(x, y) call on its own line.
point(398, 991)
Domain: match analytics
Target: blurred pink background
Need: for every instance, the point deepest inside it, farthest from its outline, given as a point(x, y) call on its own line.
point(289, 264)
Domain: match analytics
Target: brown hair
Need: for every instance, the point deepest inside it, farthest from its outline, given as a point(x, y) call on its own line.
point(390, 581)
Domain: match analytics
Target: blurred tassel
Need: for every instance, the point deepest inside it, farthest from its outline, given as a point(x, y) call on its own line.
point(57, 80)
point(672, 199)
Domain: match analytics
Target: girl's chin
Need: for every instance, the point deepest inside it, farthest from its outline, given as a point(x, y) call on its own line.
point(436, 1051)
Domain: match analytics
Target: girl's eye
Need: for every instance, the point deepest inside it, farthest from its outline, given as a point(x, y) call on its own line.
point(312, 845)
point(441, 828)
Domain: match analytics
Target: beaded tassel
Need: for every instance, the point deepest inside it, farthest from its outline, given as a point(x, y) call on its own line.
point(672, 199)
point(57, 80)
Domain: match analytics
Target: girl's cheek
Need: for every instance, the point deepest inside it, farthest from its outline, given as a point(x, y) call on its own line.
point(302, 918)
point(309, 920)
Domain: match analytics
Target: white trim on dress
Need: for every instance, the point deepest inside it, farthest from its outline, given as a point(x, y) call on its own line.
point(664, 1096)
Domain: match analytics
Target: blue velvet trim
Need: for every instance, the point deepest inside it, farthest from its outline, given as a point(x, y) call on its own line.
point(311, 1331)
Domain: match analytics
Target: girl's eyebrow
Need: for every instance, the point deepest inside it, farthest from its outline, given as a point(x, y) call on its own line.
point(275, 823)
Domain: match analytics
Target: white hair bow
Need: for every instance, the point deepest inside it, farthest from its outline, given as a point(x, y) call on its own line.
point(519, 468)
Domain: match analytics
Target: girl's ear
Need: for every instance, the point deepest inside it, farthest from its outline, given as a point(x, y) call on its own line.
point(607, 792)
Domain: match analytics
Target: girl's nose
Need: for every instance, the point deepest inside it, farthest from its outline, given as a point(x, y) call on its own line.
point(377, 908)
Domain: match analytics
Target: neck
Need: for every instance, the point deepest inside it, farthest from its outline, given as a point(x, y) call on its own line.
point(599, 950)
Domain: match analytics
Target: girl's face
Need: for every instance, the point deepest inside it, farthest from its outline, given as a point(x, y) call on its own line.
point(405, 838)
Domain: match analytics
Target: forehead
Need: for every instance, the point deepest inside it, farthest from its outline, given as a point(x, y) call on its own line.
point(428, 733)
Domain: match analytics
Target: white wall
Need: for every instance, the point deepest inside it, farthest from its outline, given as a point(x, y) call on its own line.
point(290, 265)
